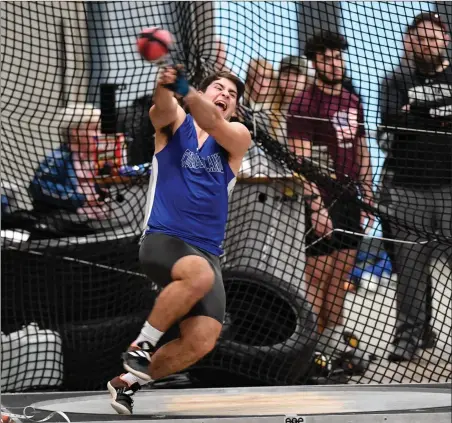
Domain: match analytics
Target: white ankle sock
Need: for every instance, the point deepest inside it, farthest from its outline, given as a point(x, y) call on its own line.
point(150, 334)
point(130, 379)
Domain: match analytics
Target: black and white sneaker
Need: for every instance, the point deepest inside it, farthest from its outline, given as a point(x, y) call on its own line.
point(121, 394)
point(137, 359)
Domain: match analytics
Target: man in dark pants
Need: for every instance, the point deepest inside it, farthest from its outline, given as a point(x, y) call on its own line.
point(416, 106)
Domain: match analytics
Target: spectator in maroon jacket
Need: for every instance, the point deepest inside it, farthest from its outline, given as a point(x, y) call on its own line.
point(326, 126)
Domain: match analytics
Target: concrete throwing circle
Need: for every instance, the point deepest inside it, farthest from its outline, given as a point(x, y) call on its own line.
point(261, 401)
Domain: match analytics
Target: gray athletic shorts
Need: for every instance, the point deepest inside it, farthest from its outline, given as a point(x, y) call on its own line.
point(159, 253)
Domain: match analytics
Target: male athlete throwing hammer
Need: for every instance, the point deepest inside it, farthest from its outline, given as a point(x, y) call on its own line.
point(197, 157)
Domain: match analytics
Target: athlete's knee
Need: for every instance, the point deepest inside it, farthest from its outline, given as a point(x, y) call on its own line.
point(199, 348)
point(196, 273)
point(200, 335)
point(202, 343)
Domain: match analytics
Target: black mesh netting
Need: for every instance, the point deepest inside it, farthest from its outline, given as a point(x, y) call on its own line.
point(301, 307)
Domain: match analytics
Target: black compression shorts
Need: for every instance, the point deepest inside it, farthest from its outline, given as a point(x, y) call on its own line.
point(344, 215)
point(160, 252)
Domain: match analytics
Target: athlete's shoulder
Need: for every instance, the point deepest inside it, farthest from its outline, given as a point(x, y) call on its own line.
point(242, 131)
point(240, 127)
point(233, 136)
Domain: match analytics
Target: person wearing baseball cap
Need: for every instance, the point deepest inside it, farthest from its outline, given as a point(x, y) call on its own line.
point(417, 175)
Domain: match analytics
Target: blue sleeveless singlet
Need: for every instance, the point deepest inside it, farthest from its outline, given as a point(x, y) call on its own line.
point(189, 189)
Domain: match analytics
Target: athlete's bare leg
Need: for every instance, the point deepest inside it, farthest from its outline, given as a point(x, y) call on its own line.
point(199, 335)
point(193, 278)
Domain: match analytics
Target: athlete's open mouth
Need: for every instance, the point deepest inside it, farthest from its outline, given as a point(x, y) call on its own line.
point(221, 105)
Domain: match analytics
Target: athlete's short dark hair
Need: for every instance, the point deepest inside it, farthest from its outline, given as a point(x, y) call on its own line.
point(223, 74)
point(323, 41)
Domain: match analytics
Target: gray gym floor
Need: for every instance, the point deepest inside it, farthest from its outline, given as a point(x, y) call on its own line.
point(339, 404)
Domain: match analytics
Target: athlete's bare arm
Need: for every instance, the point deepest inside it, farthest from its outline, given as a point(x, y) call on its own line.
point(234, 137)
point(166, 111)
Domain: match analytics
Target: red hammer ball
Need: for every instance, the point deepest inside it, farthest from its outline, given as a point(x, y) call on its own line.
point(154, 43)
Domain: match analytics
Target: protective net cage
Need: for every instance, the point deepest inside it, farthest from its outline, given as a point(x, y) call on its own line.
point(305, 303)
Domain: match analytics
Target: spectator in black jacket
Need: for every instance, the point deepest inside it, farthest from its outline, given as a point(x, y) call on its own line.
point(416, 107)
